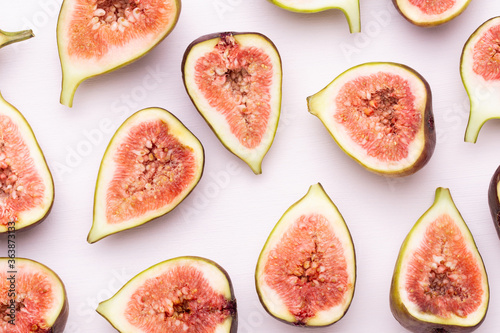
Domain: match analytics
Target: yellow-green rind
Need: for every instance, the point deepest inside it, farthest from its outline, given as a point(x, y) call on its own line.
point(94, 234)
point(315, 193)
point(70, 83)
point(350, 8)
point(398, 308)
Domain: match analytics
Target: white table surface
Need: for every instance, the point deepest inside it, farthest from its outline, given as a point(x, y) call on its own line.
point(231, 212)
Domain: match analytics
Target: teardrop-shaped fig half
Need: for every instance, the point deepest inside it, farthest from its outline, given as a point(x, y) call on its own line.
point(151, 164)
point(32, 298)
point(439, 282)
point(7, 38)
point(234, 80)
point(380, 114)
point(430, 13)
point(95, 37)
point(494, 199)
point(306, 272)
point(26, 185)
point(480, 68)
point(184, 294)
point(350, 8)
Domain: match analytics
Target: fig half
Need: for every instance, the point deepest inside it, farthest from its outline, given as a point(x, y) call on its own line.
point(480, 68)
point(7, 38)
point(98, 36)
point(234, 80)
point(380, 114)
point(26, 185)
point(439, 282)
point(184, 294)
point(32, 297)
point(494, 199)
point(306, 271)
point(430, 13)
point(151, 164)
point(350, 8)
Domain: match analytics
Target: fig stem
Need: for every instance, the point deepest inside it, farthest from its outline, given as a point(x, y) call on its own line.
point(7, 38)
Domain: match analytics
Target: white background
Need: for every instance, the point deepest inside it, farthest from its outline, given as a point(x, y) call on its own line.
point(229, 215)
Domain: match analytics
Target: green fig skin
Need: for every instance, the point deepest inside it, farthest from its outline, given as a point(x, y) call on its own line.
point(401, 312)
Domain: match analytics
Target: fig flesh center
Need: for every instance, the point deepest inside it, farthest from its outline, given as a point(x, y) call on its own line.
point(378, 112)
point(163, 304)
point(487, 55)
point(450, 281)
point(101, 24)
point(236, 82)
point(17, 174)
point(316, 278)
point(433, 7)
point(150, 172)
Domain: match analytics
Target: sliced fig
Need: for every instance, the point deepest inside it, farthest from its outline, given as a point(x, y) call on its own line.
point(494, 199)
point(184, 294)
point(7, 38)
point(98, 36)
point(32, 297)
point(430, 13)
point(151, 164)
point(439, 282)
point(349, 7)
point(306, 272)
point(234, 80)
point(26, 185)
point(380, 114)
point(480, 68)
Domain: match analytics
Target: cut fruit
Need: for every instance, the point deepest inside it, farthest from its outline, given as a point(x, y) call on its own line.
point(439, 282)
point(95, 37)
point(184, 294)
point(494, 199)
point(32, 297)
point(480, 68)
point(26, 185)
point(151, 164)
point(380, 114)
point(349, 7)
point(430, 13)
point(306, 271)
point(234, 80)
point(7, 38)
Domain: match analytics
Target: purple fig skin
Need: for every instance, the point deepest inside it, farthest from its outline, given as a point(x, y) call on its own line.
point(494, 201)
